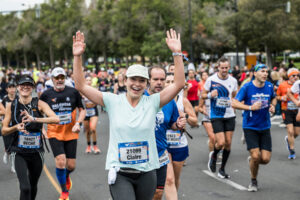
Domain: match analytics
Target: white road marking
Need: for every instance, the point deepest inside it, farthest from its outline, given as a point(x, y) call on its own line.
point(227, 181)
point(275, 123)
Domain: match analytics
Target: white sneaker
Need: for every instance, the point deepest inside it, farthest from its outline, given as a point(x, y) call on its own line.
point(5, 158)
point(12, 169)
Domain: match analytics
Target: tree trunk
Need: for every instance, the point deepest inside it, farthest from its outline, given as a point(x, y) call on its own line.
point(8, 60)
point(143, 61)
point(51, 56)
point(105, 58)
point(66, 59)
point(18, 60)
point(25, 59)
point(268, 57)
point(96, 63)
point(1, 63)
point(38, 61)
point(127, 61)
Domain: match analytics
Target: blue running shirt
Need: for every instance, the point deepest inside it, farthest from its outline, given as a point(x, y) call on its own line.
point(164, 120)
point(249, 93)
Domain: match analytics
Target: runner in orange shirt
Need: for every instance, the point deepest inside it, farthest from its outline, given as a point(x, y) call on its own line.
point(64, 101)
point(289, 111)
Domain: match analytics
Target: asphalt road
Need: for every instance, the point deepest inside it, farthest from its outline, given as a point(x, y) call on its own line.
point(278, 180)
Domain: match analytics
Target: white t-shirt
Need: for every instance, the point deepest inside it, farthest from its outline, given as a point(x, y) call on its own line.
point(132, 141)
point(296, 87)
point(220, 107)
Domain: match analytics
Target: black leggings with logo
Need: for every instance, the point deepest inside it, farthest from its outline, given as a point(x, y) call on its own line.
point(28, 168)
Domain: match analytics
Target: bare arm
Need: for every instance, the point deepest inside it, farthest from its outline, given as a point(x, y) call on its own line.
point(78, 49)
point(174, 44)
point(51, 116)
point(188, 109)
point(291, 96)
point(6, 130)
point(2, 109)
point(81, 114)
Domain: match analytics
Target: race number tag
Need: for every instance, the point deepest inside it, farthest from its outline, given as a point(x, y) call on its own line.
point(64, 117)
point(133, 152)
point(291, 106)
point(173, 137)
point(90, 112)
point(164, 159)
point(30, 141)
point(223, 102)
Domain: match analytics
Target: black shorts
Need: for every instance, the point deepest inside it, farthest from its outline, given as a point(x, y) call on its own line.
point(93, 113)
point(289, 117)
point(63, 147)
point(161, 175)
point(223, 124)
point(194, 102)
point(258, 139)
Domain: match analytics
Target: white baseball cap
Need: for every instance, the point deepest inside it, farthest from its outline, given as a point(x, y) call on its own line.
point(137, 70)
point(58, 71)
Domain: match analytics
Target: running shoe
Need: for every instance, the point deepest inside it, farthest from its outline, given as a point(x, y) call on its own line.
point(5, 158)
point(64, 196)
point(222, 174)
point(248, 159)
point(287, 143)
point(211, 162)
point(12, 169)
point(88, 149)
point(253, 186)
point(292, 156)
point(96, 150)
point(69, 183)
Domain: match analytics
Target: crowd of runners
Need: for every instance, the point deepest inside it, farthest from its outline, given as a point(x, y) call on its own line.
point(149, 109)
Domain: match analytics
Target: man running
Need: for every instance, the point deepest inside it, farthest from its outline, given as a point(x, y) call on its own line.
point(64, 101)
point(220, 88)
point(257, 98)
point(166, 118)
point(289, 111)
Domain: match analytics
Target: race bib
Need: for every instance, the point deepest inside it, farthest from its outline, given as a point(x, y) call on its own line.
point(173, 137)
point(164, 159)
point(223, 102)
point(64, 117)
point(291, 106)
point(30, 141)
point(133, 152)
point(90, 112)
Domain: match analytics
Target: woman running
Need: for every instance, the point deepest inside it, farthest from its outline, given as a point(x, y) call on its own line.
point(11, 93)
point(90, 122)
point(120, 87)
point(24, 120)
point(132, 157)
point(177, 141)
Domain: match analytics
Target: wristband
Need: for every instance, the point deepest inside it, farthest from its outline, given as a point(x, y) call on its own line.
point(34, 119)
point(209, 95)
point(77, 122)
point(250, 108)
point(177, 54)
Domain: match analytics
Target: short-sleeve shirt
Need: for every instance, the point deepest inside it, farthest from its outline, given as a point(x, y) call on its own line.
point(64, 104)
point(132, 132)
point(296, 88)
point(249, 93)
point(281, 91)
point(164, 120)
point(193, 91)
point(220, 107)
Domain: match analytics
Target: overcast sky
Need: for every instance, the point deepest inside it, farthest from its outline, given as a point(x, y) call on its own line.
point(13, 5)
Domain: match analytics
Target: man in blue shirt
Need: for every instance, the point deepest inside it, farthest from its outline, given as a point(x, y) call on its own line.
point(258, 99)
point(166, 118)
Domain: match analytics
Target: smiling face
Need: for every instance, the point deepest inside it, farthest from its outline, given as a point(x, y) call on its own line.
point(135, 86)
point(157, 80)
point(25, 89)
point(59, 82)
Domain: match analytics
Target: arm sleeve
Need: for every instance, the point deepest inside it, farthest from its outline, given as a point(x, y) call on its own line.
point(207, 84)
point(155, 98)
point(241, 94)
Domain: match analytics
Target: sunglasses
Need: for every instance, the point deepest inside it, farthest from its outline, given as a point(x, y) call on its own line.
point(60, 77)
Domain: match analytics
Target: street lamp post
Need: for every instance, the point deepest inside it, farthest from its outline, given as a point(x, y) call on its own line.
point(237, 34)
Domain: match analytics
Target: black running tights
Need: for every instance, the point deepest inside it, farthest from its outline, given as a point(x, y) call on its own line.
point(28, 167)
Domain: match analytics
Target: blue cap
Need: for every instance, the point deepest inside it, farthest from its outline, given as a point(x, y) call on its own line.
point(259, 67)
